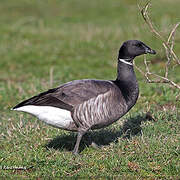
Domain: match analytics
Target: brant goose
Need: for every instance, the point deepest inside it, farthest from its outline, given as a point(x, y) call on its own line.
point(81, 105)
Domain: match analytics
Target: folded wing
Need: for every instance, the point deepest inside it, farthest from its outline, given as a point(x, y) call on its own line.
point(69, 95)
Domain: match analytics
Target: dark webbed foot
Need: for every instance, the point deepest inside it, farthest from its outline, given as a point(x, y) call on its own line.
point(75, 153)
point(91, 142)
point(94, 145)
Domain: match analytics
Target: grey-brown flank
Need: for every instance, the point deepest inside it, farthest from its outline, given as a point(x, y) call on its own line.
point(96, 103)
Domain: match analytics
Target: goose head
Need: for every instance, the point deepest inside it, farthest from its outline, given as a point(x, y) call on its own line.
point(132, 48)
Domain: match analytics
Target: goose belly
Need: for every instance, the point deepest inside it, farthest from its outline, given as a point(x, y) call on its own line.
point(53, 116)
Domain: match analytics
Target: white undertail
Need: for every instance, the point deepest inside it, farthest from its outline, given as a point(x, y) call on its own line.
point(56, 117)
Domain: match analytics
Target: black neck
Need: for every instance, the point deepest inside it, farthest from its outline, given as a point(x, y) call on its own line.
point(126, 81)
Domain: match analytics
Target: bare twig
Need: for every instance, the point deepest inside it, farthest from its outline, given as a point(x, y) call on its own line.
point(172, 33)
point(139, 69)
point(160, 79)
point(51, 77)
point(168, 55)
point(145, 15)
point(146, 65)
point(169, 52)
point(168, 46)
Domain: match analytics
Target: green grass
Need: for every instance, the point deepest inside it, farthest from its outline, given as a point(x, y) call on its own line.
point(77, 40)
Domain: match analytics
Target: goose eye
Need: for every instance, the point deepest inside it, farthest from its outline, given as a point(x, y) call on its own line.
point(138, 45)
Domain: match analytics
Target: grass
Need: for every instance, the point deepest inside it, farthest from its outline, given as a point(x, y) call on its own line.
point(77, 40)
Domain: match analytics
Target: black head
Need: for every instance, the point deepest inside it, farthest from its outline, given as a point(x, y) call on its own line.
point(132, 48)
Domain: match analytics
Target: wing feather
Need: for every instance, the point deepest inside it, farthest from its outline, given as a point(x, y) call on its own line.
point(69, 94)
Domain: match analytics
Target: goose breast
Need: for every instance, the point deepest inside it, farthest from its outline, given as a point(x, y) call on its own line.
point(102, 110)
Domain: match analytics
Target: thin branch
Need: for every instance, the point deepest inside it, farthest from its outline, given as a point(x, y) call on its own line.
point(172, 33)
point(168, 55)
point(169, 52)
point(139, 69)
point(51, 79)
point(163, 79)
point(145, 15)
point(146, 65)
point(172, 38)
point(144, 12)
point(168, 46)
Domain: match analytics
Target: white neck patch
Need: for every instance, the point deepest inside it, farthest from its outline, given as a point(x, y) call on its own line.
point(126, 61)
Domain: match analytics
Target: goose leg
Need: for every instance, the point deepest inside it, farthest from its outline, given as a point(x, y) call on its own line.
point(79, 137)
